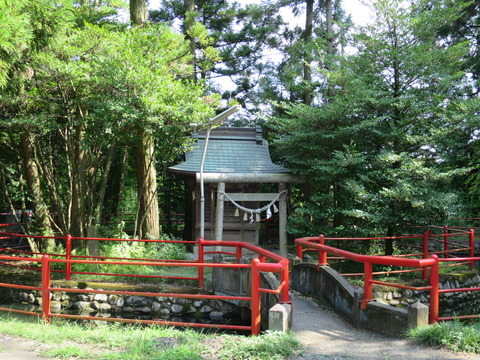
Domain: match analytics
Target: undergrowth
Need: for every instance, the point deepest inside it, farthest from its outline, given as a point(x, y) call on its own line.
point(456, 335)
point(70, 340)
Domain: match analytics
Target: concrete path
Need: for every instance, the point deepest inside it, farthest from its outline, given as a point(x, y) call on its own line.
point(327, 336)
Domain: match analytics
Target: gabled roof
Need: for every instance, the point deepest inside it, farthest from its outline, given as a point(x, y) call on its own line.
point(231, 150)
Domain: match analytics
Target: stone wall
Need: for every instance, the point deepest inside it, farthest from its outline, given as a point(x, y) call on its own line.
point(451, 304)
point(106, 305)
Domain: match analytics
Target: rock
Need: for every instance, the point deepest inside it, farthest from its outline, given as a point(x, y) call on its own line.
point(165, 312)
point(55, 306)
point(206, 309)
point(22, 296)
point(30, 298)
point(82, 305)
point(83, 297)
point(112, 299)
point(104, 307)
point(396, 295)
point(176, 309)
point(136, 301)
point(100, 298)
point(156, 306)
point(216, 315)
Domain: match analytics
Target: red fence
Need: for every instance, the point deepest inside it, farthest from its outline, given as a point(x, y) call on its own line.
point(428, 262)
point(264, 261)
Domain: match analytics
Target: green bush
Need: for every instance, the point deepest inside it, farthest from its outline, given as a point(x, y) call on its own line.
point(455, 335)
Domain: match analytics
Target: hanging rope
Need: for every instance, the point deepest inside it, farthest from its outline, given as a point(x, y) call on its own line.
point(256, 212)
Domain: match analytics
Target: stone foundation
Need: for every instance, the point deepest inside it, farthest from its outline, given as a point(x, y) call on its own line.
point(451, 304)
point(106, 305)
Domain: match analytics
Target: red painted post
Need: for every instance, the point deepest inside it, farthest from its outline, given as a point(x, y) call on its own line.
point(46, 289)
point(68, 256)
point(201, 256)
point(322, 255)
point(238, 254)
point(434, 293)
point(425, 251)
point(471, 243)
point(445, 241)
point(255, 293)
point(299, 251)
point(284, 277)
point(367, 284)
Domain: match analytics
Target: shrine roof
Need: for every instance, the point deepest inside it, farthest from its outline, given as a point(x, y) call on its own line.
point(230, 150)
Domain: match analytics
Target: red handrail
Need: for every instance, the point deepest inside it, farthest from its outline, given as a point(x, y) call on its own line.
point(429, 264)
point(266, 261)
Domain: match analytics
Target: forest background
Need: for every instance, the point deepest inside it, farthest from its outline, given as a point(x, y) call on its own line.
point(95, 105)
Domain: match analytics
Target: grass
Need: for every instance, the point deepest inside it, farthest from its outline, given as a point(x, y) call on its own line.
point(74, 340)
point(456, 335)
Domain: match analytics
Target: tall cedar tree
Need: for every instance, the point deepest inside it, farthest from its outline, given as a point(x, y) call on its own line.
point(374, 152)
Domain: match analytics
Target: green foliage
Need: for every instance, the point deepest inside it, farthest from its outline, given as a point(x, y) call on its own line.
point(129, 251)
point(378, 152)
point(270, 345)
point(115, 341)
point(455, 335)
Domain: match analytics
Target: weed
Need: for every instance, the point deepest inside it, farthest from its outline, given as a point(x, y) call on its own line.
point(455, 335)
point(135, 342)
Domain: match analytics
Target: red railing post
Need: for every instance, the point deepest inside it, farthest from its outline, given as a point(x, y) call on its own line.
point(68, 256)
point(46, 289)
point(367, 284)
point(238, 254)
point(434, 293)
point(201, 260)
point(425, 251)
point(322, 255)
point(445, 241)
point(299, 251)
point(284, 277)
point(471, 243)
point(255, 293)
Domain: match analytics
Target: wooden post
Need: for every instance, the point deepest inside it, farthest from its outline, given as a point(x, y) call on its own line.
point(282, 221)
point(219, 213)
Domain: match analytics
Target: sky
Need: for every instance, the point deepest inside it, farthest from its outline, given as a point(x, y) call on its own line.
point(360, 13)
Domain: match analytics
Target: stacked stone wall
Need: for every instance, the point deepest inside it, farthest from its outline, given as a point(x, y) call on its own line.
point(451, 303)
point(107, 305)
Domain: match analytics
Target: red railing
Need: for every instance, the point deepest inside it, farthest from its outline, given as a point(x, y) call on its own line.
point(429, 264)
point(264, 261)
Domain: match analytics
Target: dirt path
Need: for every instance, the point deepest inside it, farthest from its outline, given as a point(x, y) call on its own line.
point(327, 336)
point(324, 334)
point(12, 348)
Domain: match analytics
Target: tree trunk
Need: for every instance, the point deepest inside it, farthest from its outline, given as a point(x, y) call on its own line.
point(40, 209)
point(330, 42)
point(78, 184)
point(307, 60)
point(389, 242)
point(188, 22)
point(148, 218)
point(147, 221)
point(138, 12)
